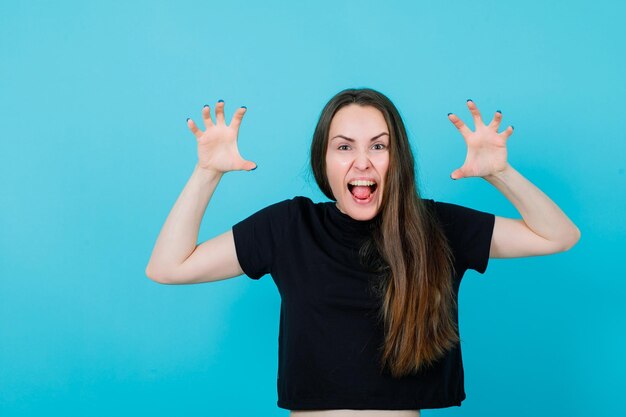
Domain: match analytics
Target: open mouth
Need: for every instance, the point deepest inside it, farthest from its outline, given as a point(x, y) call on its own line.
point(362, 190)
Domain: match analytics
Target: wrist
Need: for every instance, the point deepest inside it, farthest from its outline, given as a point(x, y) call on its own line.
point(207, 174)
point(501, 174)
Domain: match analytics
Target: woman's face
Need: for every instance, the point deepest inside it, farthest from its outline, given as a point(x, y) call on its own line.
point(357, 159)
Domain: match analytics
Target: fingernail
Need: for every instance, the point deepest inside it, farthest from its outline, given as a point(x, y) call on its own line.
point(206, 105)
point(469, 99)
point(512, 127)
point(220, 101)
point(243, 107)
point(449, 114)
point(254, 168)
point(188, 118)
point(498, 111)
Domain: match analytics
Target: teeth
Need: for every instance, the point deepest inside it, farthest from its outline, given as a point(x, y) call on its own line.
point(361, 182)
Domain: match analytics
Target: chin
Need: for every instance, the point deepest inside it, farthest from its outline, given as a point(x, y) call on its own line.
point(360, 209)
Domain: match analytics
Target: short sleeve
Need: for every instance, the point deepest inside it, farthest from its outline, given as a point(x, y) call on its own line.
point(257, 238)
point(469, 233)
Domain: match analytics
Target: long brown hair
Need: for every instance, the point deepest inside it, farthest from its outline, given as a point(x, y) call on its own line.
point(415, 261)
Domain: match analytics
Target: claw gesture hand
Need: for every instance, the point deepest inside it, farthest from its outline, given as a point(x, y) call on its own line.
point(217, 145)
point(486, 148)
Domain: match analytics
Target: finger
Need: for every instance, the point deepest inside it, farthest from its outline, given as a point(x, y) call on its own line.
point(248, 165)
point(194, 129)
point(458, 123)
point(475, 113)
point(457, 174)
point(219, 112)
point(238, 117)
point(206, 116)
point(508, 132)
point(497, 118)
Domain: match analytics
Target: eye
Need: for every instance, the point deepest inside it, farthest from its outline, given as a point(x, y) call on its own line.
point(379, 146)
point(343, 147)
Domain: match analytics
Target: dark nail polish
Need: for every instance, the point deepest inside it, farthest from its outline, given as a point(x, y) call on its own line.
point(254, 168)
point(469, 99)
point(512, 127)
point(243, 107)
point(206, 105)
point(220, 101)
point(188, 118)
point(449, 114)
point(498, 111)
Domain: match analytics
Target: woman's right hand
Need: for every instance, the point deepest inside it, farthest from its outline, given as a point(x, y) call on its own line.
point(217, 145)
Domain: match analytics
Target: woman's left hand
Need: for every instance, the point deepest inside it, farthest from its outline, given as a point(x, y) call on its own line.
point(486, 148)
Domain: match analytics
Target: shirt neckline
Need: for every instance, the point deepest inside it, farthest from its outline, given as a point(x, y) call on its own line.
point(347, 224)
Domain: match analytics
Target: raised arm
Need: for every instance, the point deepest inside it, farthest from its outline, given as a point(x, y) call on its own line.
point(544, 228)
point(176, 257)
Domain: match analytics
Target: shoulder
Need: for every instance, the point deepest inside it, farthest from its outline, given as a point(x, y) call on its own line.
point(285, 209)
point(450, 213)
point(441, 208)
point(469, 232)
point(443, 212)
point(287, 204)
point(461, 223)
point(293, 205)
point(301, 204)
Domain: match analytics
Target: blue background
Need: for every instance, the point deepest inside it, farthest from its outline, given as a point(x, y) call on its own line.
point(95, 151)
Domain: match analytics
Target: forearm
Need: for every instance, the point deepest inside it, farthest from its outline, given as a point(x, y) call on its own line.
point(179, 235)
point(539, 212)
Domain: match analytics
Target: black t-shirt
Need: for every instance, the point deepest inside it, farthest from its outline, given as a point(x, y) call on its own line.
point(329, 336)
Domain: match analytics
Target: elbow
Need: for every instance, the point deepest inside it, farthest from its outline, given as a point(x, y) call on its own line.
point(573, 240)
point(151, 275)
point(156, 277)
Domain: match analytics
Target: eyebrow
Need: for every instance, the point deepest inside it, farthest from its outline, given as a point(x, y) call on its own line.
point(352, 140)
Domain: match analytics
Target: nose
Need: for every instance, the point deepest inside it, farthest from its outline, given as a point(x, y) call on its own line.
point(362, 161)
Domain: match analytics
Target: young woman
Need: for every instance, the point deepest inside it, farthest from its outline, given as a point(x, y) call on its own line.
point(368, 281)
